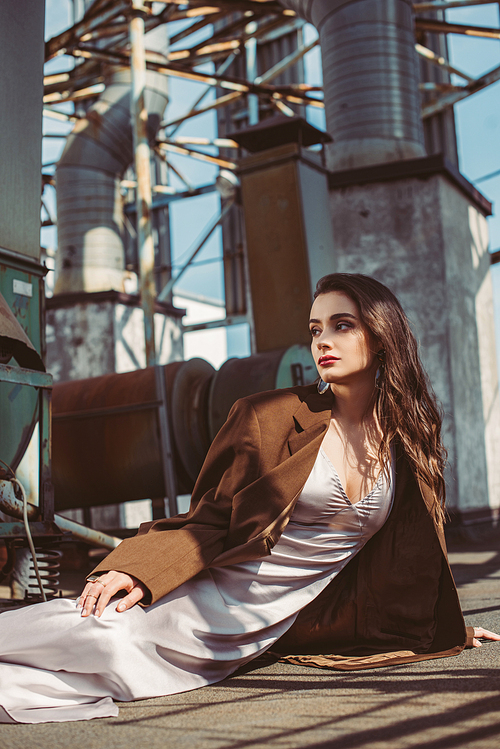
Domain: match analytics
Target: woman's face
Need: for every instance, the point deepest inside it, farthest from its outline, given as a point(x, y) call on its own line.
point(343, 348)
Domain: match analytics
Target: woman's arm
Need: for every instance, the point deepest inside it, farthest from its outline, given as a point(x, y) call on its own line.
point(175, 549)
point(99, 590)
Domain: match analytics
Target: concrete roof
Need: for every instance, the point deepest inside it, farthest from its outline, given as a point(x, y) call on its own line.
point(437, 704)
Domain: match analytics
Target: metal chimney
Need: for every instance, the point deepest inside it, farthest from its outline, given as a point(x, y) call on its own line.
point(90, 256)
point(370, 74)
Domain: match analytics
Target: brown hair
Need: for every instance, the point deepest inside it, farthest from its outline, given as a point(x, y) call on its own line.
point(406, 406)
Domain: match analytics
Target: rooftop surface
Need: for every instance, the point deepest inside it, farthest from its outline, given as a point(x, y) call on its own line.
point(437, 704)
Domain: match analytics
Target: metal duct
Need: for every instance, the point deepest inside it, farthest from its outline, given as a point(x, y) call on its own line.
point(89, 204)
point(370, 76)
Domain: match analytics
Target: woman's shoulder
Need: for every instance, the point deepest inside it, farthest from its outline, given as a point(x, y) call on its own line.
point(281, 400)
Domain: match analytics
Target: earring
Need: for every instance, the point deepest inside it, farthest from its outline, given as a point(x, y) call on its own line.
point(322, 387)
point(381, 356)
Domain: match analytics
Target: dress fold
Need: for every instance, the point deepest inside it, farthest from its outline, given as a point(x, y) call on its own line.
point(58, 666)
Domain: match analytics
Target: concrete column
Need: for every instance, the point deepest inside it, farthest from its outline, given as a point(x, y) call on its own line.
point(421, 230)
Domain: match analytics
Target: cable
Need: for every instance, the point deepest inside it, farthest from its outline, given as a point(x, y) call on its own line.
point(28, 531)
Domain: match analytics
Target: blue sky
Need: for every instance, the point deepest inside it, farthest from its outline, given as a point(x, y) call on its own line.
point(478, 132)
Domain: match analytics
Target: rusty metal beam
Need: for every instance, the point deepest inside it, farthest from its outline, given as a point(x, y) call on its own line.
point(195, 27)
point(220, 71)
point(206, 234)
point(485, 177)
point(442, 27)
point(32, 377)
point(161, 201)
point(193, 140)
point(205, 51)
point(227, 82)
point(286, 63)
point(225, 36)
point(183, 151)
point(445, 4)
point(96, 7)
point(61, 41)
point(441, 62)
point(56, 115)
point(225, 31)
point(266, 6)
point(59, 97)
point(432, 86)
point(222, 101)
point(75, 82)
point(448, 100)
point(282, 107)
point(176, 171)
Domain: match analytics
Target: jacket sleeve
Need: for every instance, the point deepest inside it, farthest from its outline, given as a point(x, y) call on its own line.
point(166, 553)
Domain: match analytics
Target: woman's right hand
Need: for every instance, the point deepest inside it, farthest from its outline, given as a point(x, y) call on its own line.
point(97, 593)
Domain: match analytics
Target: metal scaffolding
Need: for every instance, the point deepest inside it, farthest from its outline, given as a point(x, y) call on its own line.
point(111, 33)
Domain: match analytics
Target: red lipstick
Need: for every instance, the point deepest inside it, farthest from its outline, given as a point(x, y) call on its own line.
point(327, 359)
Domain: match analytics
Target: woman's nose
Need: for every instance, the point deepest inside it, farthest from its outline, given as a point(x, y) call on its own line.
point(322, 342)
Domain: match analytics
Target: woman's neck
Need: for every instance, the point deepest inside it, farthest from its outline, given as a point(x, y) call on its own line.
point(353, 404)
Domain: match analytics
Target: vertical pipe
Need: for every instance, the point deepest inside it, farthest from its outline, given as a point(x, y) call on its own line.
point(46, 490)
point(143, 172)
point(251, 62)
point(166, 442)
point(370, 73)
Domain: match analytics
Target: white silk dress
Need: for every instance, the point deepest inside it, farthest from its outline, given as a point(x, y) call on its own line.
point(58, 666)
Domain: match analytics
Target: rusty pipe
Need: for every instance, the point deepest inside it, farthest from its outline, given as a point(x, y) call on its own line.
point(106, 434)
point(142, 158)
point(12, 506)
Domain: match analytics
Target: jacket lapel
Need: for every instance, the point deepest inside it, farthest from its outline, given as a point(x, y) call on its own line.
point(311, 419)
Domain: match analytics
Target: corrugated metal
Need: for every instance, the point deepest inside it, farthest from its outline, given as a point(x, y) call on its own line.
point(370, 76)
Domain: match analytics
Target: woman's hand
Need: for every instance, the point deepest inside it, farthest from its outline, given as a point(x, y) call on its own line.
point(99, 592)
point(480, 632)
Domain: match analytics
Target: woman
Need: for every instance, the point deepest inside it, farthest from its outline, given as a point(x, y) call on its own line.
point(315, 527)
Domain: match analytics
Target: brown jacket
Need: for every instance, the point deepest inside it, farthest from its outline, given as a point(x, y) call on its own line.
point(394, 602)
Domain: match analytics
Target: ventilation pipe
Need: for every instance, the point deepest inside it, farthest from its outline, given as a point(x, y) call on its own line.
point(370, 76)
point(89, 204)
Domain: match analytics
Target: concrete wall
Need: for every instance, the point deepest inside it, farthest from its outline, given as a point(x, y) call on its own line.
point(89, 339)
point(472, 346)
point(424, 239)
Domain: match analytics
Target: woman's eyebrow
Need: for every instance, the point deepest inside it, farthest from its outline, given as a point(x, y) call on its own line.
point(334, 317)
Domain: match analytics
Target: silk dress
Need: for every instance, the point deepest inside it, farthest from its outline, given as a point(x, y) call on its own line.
point(58, 666)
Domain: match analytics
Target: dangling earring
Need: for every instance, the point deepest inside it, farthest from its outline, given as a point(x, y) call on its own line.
point(322, 387)
point(379, 375)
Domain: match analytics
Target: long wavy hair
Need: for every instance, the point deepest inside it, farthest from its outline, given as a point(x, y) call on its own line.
point(406, 406)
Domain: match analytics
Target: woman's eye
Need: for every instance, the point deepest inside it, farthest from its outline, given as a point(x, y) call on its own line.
point(315, 332)
point(344, 326)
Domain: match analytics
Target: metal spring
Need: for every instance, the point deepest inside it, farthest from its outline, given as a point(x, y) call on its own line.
point(48, 566)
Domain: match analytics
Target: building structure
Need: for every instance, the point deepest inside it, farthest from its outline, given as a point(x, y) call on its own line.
point(377, 160)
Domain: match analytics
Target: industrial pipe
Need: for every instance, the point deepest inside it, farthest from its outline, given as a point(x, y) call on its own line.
point(106, 445)
point(12, 506)
point(370, 76)
point(90, 255)
point(142, 158)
